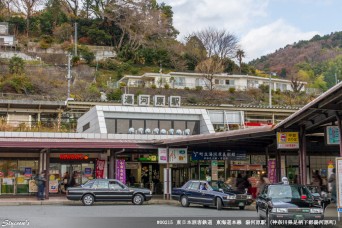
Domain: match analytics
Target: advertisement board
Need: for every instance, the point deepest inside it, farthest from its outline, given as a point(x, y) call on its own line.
point(176, 155)
point(100, 165)
point(287, 140)
point(53, 186)
point(162, 155)
point(121, 170)
point(272, 170)
point(332, 135)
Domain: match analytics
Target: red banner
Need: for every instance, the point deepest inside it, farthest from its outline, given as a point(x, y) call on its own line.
point(100, 165)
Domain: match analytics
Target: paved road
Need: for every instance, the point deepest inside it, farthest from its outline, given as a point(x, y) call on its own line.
point(121, 215)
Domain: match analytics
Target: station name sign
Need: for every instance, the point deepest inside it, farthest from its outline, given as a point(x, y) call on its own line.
point(237, 155)
point(74, 156)
point(145, 100)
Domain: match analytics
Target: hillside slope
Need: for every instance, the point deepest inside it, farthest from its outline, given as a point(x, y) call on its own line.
point(317, 50)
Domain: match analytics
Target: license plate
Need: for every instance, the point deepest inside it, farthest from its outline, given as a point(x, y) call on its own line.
point(241, 204)
point(299, 217)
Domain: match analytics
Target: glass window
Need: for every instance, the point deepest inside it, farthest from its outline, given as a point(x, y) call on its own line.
point(122, 126)
point(136, 124)
point(103, 184)
point(217, 81)
point(179, 125)
point(194, 186)
point(165, 124)
point(151, 124)
point(115, 186)
point(110, 124)
point(89, 184)
point(193, 126)
point(179, 81)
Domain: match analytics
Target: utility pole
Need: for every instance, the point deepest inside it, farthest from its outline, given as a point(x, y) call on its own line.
point(69, 75)
point(75, 38)
point(335, 78)
point(270, 92)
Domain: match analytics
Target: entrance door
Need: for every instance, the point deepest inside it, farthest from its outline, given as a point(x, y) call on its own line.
point(73, 170)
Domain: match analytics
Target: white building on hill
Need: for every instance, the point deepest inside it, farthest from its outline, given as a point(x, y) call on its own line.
point(181, 80)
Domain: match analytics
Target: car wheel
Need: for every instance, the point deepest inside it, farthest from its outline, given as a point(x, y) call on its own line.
point(88, 200)
point(138, 199)
point(185, 201)
point(242, 207)
point(218, 204)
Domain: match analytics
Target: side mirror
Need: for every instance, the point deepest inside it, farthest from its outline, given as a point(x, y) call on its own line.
point(303, 197)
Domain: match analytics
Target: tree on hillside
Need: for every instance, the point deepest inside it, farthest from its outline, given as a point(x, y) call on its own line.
point(208, 68)
point(16, 65)
point(296, 84)
point(239, 55)
point(220, 43)
point(27, 7)
point(194, 52)
point(140, 22)
point(72, 7)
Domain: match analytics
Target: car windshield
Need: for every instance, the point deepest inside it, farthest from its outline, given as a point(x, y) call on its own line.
point(287, 191)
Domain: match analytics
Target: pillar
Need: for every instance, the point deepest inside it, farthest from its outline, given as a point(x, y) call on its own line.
point(111, 165)
point(47, 173)
point(302, 157)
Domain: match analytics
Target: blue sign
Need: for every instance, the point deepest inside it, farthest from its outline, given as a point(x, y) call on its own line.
point(87, 171)
point(28, 171)
point(339, 209)
point(231, 155)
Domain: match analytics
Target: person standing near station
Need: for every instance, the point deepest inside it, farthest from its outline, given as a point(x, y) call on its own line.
point(41, 180)
point(332, 180)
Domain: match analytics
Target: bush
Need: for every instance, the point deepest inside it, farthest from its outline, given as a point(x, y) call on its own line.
point(86, 54)
point(16, 65)
point(232, 90)
point(167, 86)
point(186, 88)
point(199, 88)
point(75, 60)
point(192, 100)
point(115, 95)
point(153, 86)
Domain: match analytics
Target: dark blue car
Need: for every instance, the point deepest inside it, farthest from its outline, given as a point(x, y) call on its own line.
point(200, 192)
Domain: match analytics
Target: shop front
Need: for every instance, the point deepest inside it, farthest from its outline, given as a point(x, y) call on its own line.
point(80, 166)
point(16, 175)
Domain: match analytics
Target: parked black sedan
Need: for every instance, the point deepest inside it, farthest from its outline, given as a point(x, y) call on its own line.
point(288, 202)
point(200, 192)
point(220, 186)
point(107, 190)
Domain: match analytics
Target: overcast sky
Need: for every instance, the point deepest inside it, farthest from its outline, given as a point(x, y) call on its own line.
point(262, 26)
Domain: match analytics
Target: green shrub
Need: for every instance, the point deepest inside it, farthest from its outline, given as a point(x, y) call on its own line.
point(186, 88)
point(115, 95)
point(16, 65)
point(167, 86)
point(75, 59)
point(192, 100)
point(199, 88)
point(232, 90)
point(153, 86)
